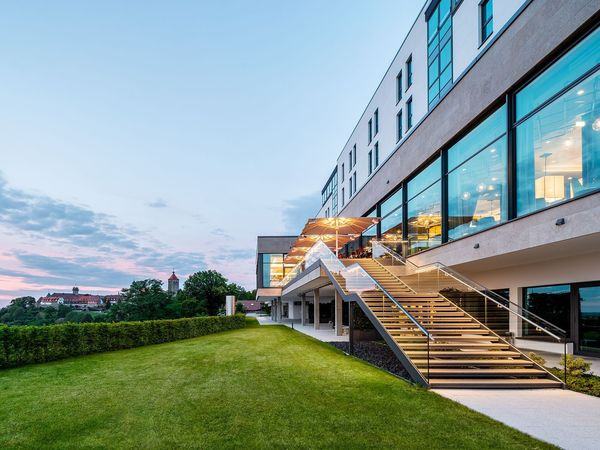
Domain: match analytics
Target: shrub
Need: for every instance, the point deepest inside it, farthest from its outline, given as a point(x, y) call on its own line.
point(539, 360)
point(575, 366)
point(20, 345)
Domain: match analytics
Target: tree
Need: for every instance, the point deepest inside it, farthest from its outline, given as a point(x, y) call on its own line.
point(210, 286)
point(143, 300)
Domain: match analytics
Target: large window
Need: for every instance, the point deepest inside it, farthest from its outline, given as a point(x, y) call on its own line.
point(409, 114)
point(272, 268)
point(552, 303)
point(424, 209)
point(477, 178)
point(581, 59)
point(391, 213)
point(558, 148)
point(370, 162)
point(409, 74)
point(439, 51)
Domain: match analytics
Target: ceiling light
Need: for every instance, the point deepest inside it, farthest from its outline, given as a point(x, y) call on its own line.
point(580, 123)
point(580, 92)
point(493, 150)
point(568, 142)
point(596, 124)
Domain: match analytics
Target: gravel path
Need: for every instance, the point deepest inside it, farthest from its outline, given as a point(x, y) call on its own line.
point(376, 353)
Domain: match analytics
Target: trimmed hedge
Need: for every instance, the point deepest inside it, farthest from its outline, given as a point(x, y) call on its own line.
point(20, 345)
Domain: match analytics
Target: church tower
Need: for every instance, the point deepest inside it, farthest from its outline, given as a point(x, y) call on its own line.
point(173, 284)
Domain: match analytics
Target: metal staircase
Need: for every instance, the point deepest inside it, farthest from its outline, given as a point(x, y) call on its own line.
point(446, 330)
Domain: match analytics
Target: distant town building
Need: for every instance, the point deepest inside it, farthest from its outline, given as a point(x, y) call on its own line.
point(76, 300)
point(173, 284)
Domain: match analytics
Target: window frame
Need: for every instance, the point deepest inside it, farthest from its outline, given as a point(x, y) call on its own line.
point(399, 87)
point(483, 24)
point(399, 126)
point(409, 74)
point(409, 113)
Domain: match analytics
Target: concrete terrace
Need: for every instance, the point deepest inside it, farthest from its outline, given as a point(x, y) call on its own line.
point(325, 333)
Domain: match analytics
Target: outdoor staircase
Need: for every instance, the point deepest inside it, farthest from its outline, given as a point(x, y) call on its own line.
point(463, 352)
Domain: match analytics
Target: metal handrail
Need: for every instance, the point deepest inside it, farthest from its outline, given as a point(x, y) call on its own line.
point(398, 304)
point(481, 290)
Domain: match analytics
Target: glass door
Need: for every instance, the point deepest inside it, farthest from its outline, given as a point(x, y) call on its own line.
point(589, 319)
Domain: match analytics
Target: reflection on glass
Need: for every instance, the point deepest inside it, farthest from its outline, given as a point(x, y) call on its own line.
point(583, 57)
point(391, 226)
point(273, 268)
point(589, 319)
point(477, 192)
point(425, 178)
point(391, 203)
point(425, 219)
point(558, 149)
point(484, 134)
point(552, 303)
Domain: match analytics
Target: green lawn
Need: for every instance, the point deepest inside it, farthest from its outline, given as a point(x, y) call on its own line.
point(252, 388)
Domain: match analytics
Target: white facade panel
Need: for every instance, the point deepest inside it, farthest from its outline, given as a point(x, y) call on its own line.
point(466, 38)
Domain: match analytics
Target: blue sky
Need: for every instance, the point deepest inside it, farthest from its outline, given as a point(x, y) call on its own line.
point(140, 136)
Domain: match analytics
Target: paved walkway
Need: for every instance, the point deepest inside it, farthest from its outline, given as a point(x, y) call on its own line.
point(564, 418)
point(324, 334)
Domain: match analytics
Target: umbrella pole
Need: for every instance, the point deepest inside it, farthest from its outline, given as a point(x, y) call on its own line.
point(336, 242)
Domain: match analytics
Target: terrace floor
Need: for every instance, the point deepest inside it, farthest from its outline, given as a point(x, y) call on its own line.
point(325, 333)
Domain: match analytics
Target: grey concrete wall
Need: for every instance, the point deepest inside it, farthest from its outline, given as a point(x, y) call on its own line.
point(539, 29)
point(274, 244)
point(270, 244)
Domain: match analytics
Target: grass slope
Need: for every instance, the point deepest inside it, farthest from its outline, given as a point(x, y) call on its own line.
point(251, 388)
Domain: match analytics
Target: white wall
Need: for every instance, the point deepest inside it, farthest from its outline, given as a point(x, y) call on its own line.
point(466, 25)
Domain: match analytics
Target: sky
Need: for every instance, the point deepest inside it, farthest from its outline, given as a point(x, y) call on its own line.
point(141, 136)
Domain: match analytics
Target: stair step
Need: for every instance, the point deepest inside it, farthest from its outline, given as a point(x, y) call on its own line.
point(457, 345)
point(463, 354)
point(492, 372)
point(494, 383)
point(478, 363)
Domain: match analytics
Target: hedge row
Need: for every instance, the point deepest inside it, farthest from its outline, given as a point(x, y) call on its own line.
point(20, 345)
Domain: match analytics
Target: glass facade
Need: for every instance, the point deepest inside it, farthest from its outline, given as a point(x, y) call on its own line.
point(589, 318)
point(439, 51)
point(558, 148)
point(552, 303)
point(555, 156)
point(477, 178)
point(424, 208)
point(579, 60)
point(272, 268)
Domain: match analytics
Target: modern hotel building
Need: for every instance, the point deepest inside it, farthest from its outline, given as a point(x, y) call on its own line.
point(480, 150)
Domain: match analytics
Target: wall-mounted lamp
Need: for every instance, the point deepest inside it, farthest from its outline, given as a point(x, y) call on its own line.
point(476, 245)
point(560, 222)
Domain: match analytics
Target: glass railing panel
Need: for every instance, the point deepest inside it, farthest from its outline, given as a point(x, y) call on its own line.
point(490, 308)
